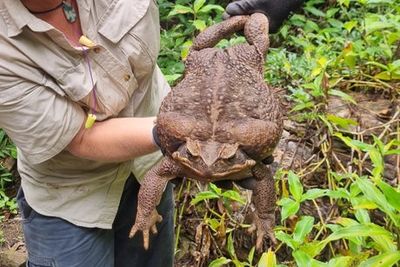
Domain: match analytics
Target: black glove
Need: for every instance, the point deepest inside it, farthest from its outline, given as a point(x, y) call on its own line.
point(276, 10)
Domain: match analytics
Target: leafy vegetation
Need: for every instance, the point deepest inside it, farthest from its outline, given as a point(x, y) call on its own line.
point(331, 52)
point(7, 151)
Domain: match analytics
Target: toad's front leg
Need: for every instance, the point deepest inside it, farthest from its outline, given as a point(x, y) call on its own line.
point(149, 197)
point(264, 199)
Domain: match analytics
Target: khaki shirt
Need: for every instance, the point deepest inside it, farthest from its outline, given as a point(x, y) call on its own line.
point(45, 94)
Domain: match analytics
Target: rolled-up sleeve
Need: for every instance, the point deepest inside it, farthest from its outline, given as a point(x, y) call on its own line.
point(38, 120)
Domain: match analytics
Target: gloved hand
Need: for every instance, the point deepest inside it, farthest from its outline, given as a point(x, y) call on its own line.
point(276, 10)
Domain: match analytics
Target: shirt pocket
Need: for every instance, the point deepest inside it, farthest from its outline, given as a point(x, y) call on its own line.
point(138, 34)
point(105, 88)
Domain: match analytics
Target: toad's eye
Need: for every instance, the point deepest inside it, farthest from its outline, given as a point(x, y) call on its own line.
point(190, 154)
point(231, 157)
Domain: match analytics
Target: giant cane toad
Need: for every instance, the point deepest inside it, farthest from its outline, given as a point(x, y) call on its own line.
point(218, 123)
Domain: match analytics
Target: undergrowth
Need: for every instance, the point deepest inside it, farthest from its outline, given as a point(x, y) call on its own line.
point(340, 206)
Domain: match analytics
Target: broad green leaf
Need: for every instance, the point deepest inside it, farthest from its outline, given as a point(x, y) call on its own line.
point(286, 239)
point(203, 196)
point(314, 11)
point(384, 75)
point(392, 196)
point(384, 243)
point(230, 247)
point(215, 188)
point(361, 230)
point(250, 257)
point(338, 193)
point(233, 195)
point(314, 193)
point(341, 122)
point(303, 228)
point(382, 260)
point(351, 60)
point(363, 203)
point(312, 248)
point(208, 8)
point(185, 49)
point(219, 262)
point(344, 261)
point(304, 260)
point(268, 259)
point(172, 78)
point(199, 24)
point(213, 223)
point(295, 186)
point(197, 5)
point(372, 193)
point(179, 9)
point(377, 161)
point(289, 207)
point(355, 144)
point(350, 25)
point(362, 216)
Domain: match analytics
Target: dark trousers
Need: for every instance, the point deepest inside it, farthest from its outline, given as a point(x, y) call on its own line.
point(52, 241)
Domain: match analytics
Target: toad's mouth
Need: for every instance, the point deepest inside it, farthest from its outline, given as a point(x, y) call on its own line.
point(208, 173)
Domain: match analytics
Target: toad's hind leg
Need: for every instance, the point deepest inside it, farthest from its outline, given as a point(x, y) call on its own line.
point(256, 32)
point(264, 199)
point(149, 197)
point(212, 35)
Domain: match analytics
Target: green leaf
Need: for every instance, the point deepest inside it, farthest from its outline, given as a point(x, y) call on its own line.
point(233, 195)
point(384, 243)
point(343, 261)
point(295, 186)
point(361, 230)
point(289, 207)
point(304, 260)
point(314, 11)
point(350, 25)
point(303, 228)
point(250, 257)
point(286, 239)
point(179, 9)
point(341, 122)
point(314, 193)
point(197, 5)
point(185, 49)
point(372, 193)
point(208, 8)
point(363, 203)
point(382, 260)
point(203, 196)
point(268, 259)
point(215, 189)
point(219, 262)
point(392, 196)
point(384, 75)
point(230, 247)
point(199, 24)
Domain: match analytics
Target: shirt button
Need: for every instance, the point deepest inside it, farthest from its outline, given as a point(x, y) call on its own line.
point(127, 77)
point(96, 50)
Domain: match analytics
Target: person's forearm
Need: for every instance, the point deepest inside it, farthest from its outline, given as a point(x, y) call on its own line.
point(117, 139)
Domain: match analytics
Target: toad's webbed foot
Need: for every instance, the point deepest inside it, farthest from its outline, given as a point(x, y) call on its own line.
point(264, 226)
point(145, 225)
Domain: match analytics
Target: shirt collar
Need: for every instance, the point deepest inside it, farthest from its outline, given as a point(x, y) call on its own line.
point(17, 17)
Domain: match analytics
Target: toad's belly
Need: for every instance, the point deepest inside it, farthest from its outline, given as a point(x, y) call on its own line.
point(210, 176)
